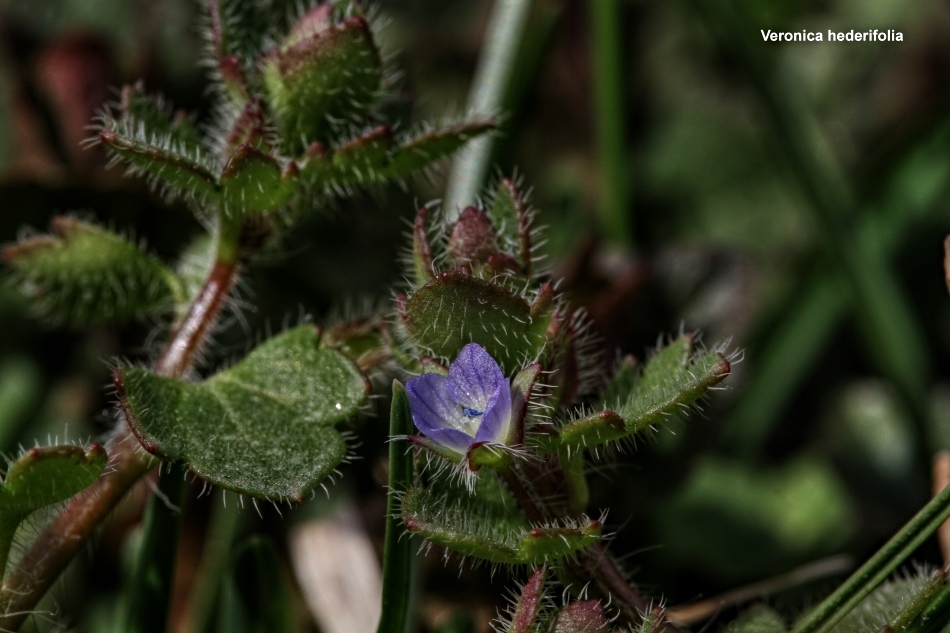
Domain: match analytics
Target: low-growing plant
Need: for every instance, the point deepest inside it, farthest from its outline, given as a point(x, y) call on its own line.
point(502, 396)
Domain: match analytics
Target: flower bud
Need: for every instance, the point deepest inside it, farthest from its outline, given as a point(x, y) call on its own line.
point(473, 238)
point(321, 74)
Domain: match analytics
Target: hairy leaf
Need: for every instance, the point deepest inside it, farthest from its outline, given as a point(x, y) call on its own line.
point(674, 379)
point(163, 165)
point(486, 524)
point(315, 81)
point(375, 157)
point(85, 274)
point(455, 309)
point(252, 183)
point(422, 151)
point(509, 214)
point(759, 619)
point(265, 427)
point(42, 477)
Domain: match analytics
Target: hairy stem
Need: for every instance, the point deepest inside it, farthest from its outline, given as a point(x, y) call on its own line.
point(56, 547)
point(192, 333)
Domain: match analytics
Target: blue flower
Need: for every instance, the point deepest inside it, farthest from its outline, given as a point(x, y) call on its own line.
point(469, 407)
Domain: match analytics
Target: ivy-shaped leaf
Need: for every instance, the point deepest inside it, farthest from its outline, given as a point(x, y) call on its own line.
point(265, 427)
point(42, 477)
point(486, 524)
point(85, 274)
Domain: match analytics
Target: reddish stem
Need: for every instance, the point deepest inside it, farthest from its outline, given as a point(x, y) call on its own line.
point(56, 547)
point(192, 333)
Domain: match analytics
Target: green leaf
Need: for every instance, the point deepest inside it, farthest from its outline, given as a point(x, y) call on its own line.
point(42, 477)
point(252, 183)
point(313, 82)
point(422, 151)
point(265, 427)
point(886, 603)
point(486, 524)
point(363, 159)
point(592, 430)
point(140, 112)
point(675, 378)
point(455, 309)
point(163, 165)
point(242, 28)
point(85, 274)
point(164, 147)
point(910, 617)
point(373, 157)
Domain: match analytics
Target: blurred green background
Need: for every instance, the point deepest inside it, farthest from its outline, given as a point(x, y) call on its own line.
point(789, 196)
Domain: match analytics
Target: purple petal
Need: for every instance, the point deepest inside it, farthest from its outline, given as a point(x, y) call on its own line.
point(433, 411)
point(474, 377)
point(496, 423)
point(452, 439)
point(429, 402)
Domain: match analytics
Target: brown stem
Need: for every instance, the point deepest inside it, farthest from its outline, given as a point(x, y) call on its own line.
point(56, 547)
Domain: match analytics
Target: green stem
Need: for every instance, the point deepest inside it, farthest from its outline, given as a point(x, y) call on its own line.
point(150, 590)
point(505, 30)
point(609, 121)
point(226, 524)
point(397, 552)
point(878, 567)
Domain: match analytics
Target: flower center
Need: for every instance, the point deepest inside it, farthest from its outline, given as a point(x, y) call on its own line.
point(472, 413)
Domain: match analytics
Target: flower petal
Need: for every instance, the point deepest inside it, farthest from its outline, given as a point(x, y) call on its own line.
point(434, 413)
point(429, 402)
point(452, 439)
point(496, 423)
point(474, 377)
